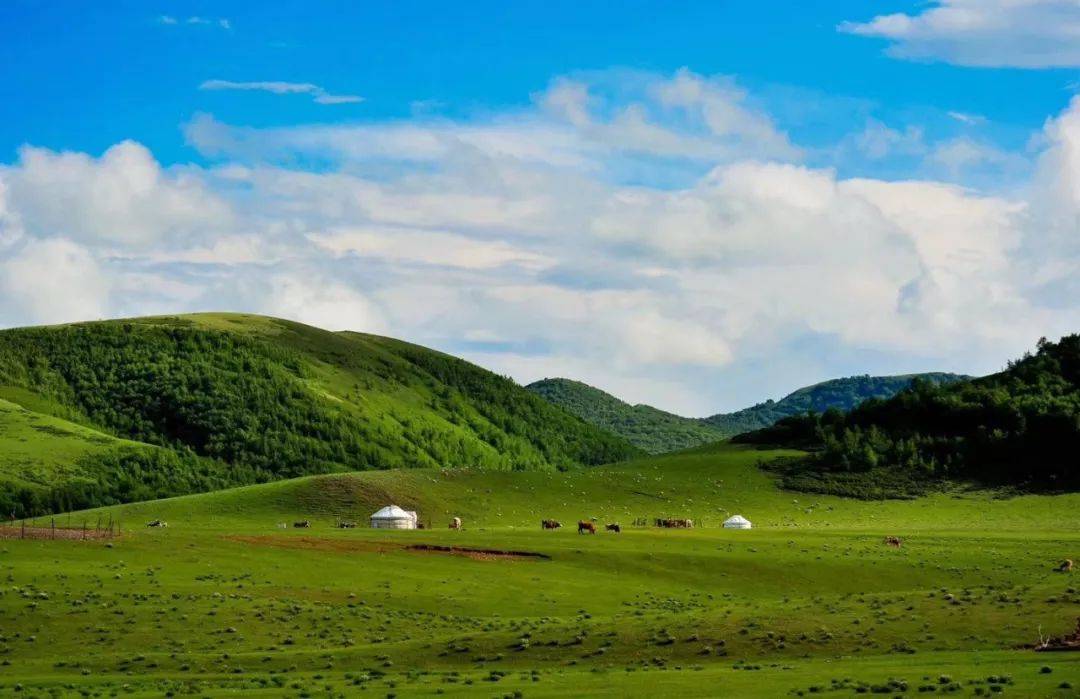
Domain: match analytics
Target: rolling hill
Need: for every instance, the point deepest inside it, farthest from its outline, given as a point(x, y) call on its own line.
point(210, 400)
point(1019, 427)
point(656, 431)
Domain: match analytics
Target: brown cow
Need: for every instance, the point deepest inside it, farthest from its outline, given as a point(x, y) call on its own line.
point(893, 541)
point(614, 528)
point(671, 523)
point(455, 523)
point(583, 526)
point(1066, 566)
point(550, 524)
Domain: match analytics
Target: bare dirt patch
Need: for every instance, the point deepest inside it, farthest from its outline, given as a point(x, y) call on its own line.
point(481, 554)
point(58, 533)
point(311, 543)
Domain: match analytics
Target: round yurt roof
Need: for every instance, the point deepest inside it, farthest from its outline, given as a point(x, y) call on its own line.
point(737, 519)
point(392, 512)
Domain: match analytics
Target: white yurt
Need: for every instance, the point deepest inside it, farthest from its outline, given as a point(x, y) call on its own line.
point(393, 517)
point(737, 522)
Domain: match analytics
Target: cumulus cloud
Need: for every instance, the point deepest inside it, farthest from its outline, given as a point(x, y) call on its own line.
point(992, 33)
point(320, 302)
point(277, 87)
point(124, 196)
point(51, 281)
point(732, 273)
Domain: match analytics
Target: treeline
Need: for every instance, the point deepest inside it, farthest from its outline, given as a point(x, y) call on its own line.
point(1018, 428)
point(839, 394)
point(127, 475)
point(651, 429)
point(514, 420)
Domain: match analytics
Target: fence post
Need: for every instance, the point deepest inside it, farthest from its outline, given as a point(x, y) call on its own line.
point(22, 530)
point(84, 530)
point(53, 526)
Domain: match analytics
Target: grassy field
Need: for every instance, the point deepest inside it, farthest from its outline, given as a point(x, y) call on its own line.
point(224, 602)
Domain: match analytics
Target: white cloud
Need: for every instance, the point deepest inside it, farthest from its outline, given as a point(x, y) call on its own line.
point(323, 303)
point(514, 241)
point(959, 155)
point(51, 281)
point(406, 245)
point(196, 20)
point(878, 140)
point(682, 117)
point(965, 118)
point(318, 94)
point(992, 33)
point(124, 196)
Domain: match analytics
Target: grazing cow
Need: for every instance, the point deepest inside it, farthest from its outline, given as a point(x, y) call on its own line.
point(614, 528)
point(455, 523)
point(550, 524)
point(1066, 566)
point(346, 525)
point(583, 526)
point(302, 525)
point(893, 541)
point(157, 523)
point(670, 523)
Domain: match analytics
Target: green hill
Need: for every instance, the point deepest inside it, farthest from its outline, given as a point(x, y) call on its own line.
point(659, 432)
point(235, 399)
point(1020, 427)
point(649, 428)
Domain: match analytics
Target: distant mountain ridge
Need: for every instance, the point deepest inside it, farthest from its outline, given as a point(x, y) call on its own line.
point(657, 431)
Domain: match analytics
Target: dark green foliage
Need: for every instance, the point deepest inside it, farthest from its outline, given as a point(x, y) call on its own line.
point(653, 430)
point(127, 475)
point(840, 394)
point(281, 399)
point(558, 436)
point(658, 432)
point(1020, 427)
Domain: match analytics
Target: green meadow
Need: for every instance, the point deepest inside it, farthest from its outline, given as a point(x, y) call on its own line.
point(224, 601)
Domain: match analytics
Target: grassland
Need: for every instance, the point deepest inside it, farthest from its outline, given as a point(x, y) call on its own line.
point(39, 449)
point(223, 602)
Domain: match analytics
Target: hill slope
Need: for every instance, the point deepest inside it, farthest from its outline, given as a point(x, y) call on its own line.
point(658, 432)
point(647, 427)
point(707, 484)
point(1019, 427)
point(245, 399)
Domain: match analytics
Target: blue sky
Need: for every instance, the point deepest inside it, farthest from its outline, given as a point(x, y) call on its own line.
point(83, 76)
point(557, 188)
